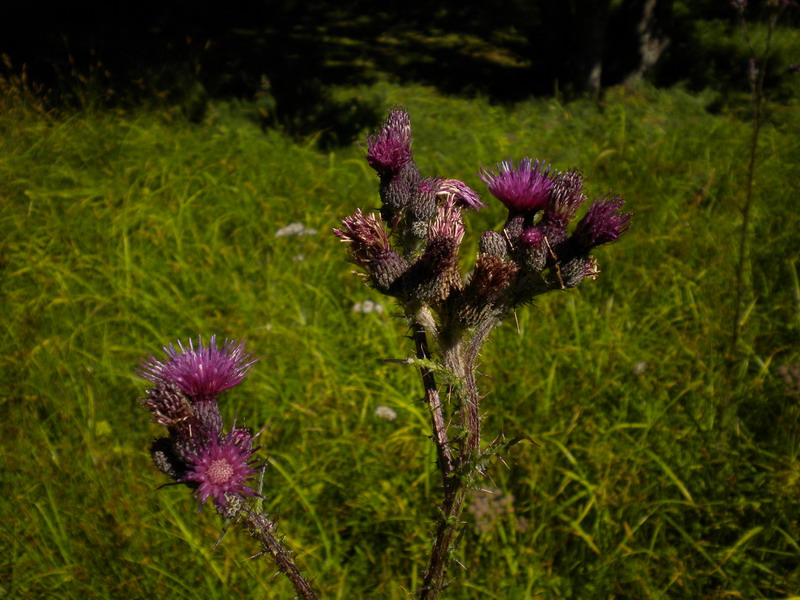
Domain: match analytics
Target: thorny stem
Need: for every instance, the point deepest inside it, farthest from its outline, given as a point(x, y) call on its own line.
point(264, 530)
point(446, 529)
point(472, 420)
point(459, 359)
point(434, 404)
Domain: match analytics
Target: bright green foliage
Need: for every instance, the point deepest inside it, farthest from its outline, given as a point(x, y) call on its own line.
point(661, 471)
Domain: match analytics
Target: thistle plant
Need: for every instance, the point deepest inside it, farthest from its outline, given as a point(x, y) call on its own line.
point(218, 466)
point(410, 251)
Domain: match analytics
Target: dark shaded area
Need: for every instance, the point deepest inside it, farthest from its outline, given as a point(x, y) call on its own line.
point(289, 54)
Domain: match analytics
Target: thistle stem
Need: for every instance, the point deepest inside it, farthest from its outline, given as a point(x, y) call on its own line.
point(459, 359)
point(264, 530)
point(445, 530)
point(434, 404)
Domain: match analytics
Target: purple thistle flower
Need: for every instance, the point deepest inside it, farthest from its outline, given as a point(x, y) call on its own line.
point(203, 372)
point(566, 197)
point(524, 188)
point(602, 223)
point(222, 467)
point(371, 249)
point(389, 148)
point(453, 190)
point(365, 234)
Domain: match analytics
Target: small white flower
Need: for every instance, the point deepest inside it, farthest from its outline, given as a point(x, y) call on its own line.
point(295, 229)
point(384, 412)
point(368, 306)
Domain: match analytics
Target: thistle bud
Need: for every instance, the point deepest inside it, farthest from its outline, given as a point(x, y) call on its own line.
point(435, 274)
point(491, 277)
point(576, 270)
point(603, 223)
point(168, 404)
point(493, 243)
point(422, 206)
point(534, 248)
point(566, 197)
point(196, 433)
point(371, 249)
point(166, 460)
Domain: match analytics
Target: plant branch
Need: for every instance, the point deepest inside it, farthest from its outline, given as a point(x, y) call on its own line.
point(264, 530)
point(434, 404)
point(445, 530)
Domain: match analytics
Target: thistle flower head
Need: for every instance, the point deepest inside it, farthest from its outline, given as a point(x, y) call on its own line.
point(458, 192)
point(492, 274)
point(389, 148)
point(566, 197)
point(399, 122)
point(168, 404)
point(447, 224)
point(523, 188)
point(204, 371)
point(222, 467)
point(574, 271)
point(603, 223)
point(371, 249)
point(365, 234)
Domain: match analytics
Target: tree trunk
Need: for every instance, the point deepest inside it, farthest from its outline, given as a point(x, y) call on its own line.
point(652, 43)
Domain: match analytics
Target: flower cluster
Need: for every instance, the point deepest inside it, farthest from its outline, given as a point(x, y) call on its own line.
point(197, 451)
point(534, 253)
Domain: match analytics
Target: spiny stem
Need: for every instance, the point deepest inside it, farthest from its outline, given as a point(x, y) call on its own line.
point(264, 530)
point(446, 529)
point(460, 360)
point(434, 404)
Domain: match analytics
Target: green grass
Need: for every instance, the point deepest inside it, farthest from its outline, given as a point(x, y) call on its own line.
point(663, 469)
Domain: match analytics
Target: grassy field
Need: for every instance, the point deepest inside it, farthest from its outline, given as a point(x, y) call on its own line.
point(667, 465)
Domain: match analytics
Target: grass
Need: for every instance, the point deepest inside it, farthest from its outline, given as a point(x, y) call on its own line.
point(663, 469)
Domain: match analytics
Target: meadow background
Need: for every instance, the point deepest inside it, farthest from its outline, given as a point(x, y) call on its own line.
point(667, 462)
